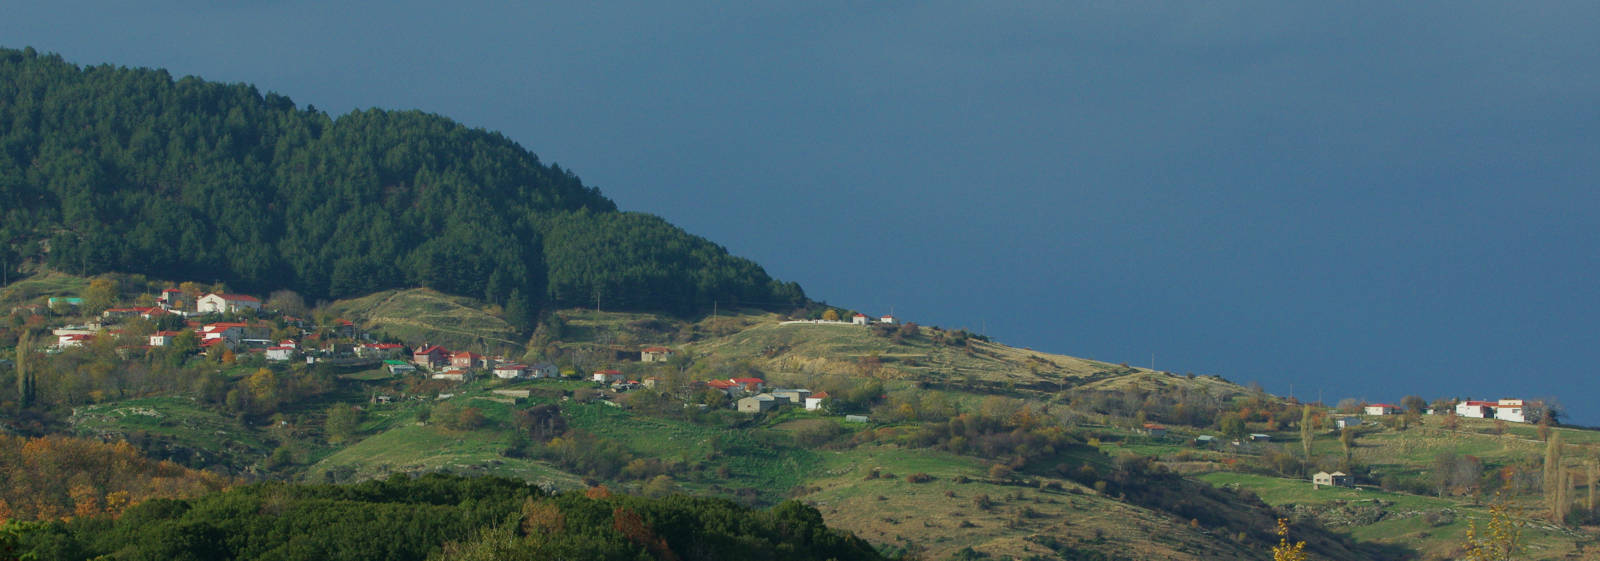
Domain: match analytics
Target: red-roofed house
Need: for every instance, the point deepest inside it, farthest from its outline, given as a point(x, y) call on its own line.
point(655, 354)
point(380, 350)
point(1381, 409)
point(171, 298)
point(1155, 430)
point(226, 303)
point(726, 386)
point(466, 360)
point(860, 319)
point(886, 319)
point(431, 357)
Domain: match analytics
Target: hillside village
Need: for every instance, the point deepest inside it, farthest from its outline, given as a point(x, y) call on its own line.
point(664, 370)
point(237, 324)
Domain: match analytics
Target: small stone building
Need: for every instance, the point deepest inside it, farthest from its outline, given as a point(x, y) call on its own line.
point(758, 403)
point(1335, 479)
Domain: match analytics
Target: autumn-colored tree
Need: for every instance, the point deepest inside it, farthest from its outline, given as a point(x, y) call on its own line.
point(1286, 551)
point(596, 492)
point(830, 315)
point(632, 527)
point(85, 501)
point(192, 291)
point(1451, 422)
point(1414, 404)
point(1553, 486)
point(1306, 431)
point(57, 477)
point(1501, 540)
point(1231, 424)
point(542, 518)
point(286, 302)
point(101, 294)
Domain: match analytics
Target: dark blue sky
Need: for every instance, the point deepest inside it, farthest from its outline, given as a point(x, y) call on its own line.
point(1369, 199)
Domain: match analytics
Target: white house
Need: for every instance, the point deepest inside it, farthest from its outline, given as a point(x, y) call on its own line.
point(163, 338)
point(859, 319)
point(542, 370)
point(233, 332)
point(886, 319)
point(814, 401)
point(1381, 409)
point(226, 303)
point(1511, 410)
point(72, 340)
point(280, 353)
point(655, 354)
point(1335, 479)
point(454, 374)
point(1476, 409)
point(1347, 422)
point(608, 376)
point(171, 298)
point(508, 371)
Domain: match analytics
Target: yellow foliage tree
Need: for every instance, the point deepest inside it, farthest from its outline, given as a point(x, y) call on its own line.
point(101, 294)
point(830, 315)
point(1500, 540)
point(1286, 551)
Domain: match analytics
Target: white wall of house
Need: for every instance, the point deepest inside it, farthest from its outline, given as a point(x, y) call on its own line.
point(216, 304)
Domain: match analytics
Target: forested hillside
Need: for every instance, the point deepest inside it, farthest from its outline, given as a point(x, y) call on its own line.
point(444, 517)
point(105, 168)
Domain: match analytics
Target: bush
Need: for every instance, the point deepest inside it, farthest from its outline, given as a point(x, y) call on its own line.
point(1438, 518)
point(999, 471)
point(919, 478)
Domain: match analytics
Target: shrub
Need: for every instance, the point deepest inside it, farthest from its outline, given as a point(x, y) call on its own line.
point(919, 478)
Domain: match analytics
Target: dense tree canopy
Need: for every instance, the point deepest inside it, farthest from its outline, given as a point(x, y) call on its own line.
point(105, 168)
point(444, 517)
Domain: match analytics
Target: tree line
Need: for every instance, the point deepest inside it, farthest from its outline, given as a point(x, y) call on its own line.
point(440, 516)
